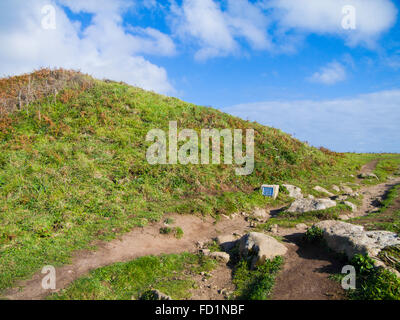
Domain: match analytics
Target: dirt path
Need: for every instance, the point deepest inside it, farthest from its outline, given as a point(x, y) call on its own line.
point(305, 274)
point(137, 243)
point(372, 195)
point(307, 268)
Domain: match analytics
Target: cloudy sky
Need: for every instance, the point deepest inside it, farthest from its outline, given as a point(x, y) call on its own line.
point(326, 71)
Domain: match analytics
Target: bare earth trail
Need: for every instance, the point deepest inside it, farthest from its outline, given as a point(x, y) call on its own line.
point(305, 274)
point(137, 243)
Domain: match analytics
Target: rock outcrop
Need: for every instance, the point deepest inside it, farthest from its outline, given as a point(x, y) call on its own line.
point(322, 190)
point(368, 176)
point(351, 239)
point(220, 256)
point(294, 192)
point(351, 205)
point(306, 205)
point(261, 247)
point(261, 214)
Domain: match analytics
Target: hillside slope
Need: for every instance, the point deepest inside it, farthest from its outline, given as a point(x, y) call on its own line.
point(73, 166)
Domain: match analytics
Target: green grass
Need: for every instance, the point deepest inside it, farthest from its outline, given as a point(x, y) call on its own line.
point(171, 274)
point(391, 256)
point(169, 221)
point(74, 170)
point(255, 284)
point(385, 218)
point(387, 167)
point(374, 283)
point(176, 231)
point(314, 235)
point(290, 220)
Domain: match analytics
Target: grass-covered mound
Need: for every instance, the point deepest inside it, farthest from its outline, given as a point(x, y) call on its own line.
point(73, 166)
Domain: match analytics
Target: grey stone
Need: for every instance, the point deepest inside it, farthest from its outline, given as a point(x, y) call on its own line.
point(351, 205)
point(220, 256)
point(274, 228)
point(294, 192)
point(205, 252)
point(261, 214)
point(307, 205)
point(335, 188)
point(368, 176)
point(344, 217)
point(341, 198)
point(347, 189)
point(261, 247)
point(322, 190)
point(352, 239)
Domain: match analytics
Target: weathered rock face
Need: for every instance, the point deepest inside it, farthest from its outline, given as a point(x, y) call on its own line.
point(294, 192)
point(322, 190)
point(261, 246)
point(335, 188)
point(307, 205)
point(220, 256)
point(340, 198)
point(347, 189)
point(351, 239)
point(351, 205)
point(261, 214)
point(368, 176)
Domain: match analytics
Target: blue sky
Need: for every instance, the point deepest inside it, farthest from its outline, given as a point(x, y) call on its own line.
point(289, 64)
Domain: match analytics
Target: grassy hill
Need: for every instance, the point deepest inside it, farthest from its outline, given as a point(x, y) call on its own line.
point(73, 166)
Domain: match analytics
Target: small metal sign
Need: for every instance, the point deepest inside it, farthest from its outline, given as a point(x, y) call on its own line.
point(270, 191)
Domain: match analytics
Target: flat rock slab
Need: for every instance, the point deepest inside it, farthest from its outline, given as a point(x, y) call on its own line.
point(307, 205)
point(322, 190)
point(351, 239)
point(294, 192)
point(262, 246)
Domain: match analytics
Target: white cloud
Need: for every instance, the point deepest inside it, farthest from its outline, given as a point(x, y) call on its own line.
point(373, 17)
point(104, 49)
point(215, 27)
point(216, 30)
point(332, 73)
point(365, 123)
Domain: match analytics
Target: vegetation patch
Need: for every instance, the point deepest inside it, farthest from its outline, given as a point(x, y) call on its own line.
point(373, 283)
point(391, 256)
point(170, 274)
point(169, 221)
point(176, 231)
point(314, 235)
point(387, 217)
point(255, 284)
point(290, 220)
point(387, 167)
